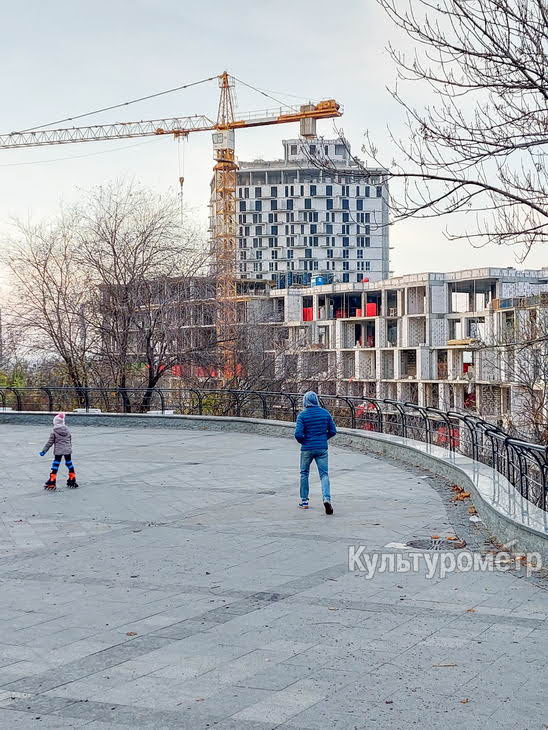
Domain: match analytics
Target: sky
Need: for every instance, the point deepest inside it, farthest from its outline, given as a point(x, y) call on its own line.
point(63, 58)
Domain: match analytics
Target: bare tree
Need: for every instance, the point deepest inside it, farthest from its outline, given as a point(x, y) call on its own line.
point(480, 147)
point(48, 302)
point(519, 357)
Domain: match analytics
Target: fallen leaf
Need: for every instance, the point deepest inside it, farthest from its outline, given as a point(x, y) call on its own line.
point(199, 699)
point(464, 702)
point(470, 610)
point(472, 510)
point(131, 633)
point(452, 537)
point(435, 537)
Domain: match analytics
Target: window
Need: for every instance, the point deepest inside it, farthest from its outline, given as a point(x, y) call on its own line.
point(242, 204)
point(274, 192)
point(339, 149)
point(363, 241)
point(258, 205)
point(330, 253)
point(293, 149)
point(312, 149)
point(274, 230)
point(329, 227)
point(329, 190)
point(246, 192)
point(313, 190)
point(258, 230)
point(359, 253)
point(255, 243)
point(258, 192)
point(346, 265)
point(345, 217)
point(357, 191)
point(243, 255)
point(289, 205)
point(367, 191)
point(313, 228)
point(291, 241)
point(346, 278)
point(346, 253)
point(257, 218)
point(328, 204)
point(258, 266)
point(346, 241)
point(273, 205)
point(345, 190)
point(345, 204)
point(314, 240)
point(274, 254)
point(290, 253)
point(308, 253)
point(258, 254)
point(308, 204)
point(291, 266)
point(271, 242)
point(345, 229)
point(302, 191)
point(359, 204)
point(358, 277)
point(379, 191)
point(273, 266)
point(242, 218)
point(367, 230)
point(326, 149)
point(243, 267)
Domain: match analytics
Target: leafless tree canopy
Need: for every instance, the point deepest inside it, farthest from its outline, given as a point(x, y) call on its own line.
point(478, 151)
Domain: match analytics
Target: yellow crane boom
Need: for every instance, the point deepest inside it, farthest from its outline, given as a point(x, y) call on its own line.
point(224, 203)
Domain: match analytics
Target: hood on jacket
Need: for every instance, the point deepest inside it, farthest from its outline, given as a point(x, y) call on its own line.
point(59, 420)
point(310, 399)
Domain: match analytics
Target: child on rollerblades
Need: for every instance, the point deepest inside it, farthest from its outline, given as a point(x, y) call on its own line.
point(61, 441)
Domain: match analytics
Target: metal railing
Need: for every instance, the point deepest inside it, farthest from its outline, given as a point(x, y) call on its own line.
point(524, 464)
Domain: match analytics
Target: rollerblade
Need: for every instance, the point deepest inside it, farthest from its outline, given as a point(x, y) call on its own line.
point(71, 481)
point(51, 484)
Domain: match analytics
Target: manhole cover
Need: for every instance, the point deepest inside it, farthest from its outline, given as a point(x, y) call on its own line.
point(436, 543)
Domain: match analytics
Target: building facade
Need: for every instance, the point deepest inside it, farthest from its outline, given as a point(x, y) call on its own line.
point(436, 339)
point(298, 223)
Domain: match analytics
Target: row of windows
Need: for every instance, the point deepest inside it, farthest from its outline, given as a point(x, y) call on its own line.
point(289, 204)
point(274, 242)
point(290, 254)
point(274, 230)
point(311, 216)
point(291, 191)
point(257, 266)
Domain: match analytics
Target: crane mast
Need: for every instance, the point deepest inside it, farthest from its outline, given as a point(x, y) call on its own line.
point(224, 176)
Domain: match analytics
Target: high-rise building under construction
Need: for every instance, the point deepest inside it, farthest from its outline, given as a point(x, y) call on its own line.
point(309, 218)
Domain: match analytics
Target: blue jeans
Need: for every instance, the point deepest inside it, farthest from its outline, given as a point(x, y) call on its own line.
point(321, 459)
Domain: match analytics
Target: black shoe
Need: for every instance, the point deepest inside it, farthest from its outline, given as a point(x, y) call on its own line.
point(50, 485)
point(71, 484)
point(328, 508)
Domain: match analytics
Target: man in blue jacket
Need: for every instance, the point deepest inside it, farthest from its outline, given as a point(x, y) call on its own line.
point(313, 429)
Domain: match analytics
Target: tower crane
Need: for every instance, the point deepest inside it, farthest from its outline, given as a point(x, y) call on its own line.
point(224, 185)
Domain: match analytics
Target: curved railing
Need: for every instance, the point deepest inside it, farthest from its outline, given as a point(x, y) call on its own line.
point(524, 464)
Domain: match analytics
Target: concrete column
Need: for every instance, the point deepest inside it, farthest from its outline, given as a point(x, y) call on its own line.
point(397, 363)
point(422, 394)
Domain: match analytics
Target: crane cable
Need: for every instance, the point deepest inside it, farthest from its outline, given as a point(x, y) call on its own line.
point(117, 106)
point(181, 166)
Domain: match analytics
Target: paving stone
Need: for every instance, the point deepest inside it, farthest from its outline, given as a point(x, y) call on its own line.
point(175, 594)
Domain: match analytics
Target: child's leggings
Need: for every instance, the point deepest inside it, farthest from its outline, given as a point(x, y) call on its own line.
point(56, 463)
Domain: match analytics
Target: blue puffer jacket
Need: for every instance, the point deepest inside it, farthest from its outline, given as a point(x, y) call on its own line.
point(314, 425)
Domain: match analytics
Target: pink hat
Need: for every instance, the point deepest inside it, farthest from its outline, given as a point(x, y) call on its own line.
point(59, 419)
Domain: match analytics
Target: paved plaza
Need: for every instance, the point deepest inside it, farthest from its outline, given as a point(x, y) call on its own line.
point(181, 587)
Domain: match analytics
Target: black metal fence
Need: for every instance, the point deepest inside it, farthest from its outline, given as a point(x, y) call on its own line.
point(524, 464)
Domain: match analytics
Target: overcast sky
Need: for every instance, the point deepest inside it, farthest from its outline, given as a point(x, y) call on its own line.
point(60, 58)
